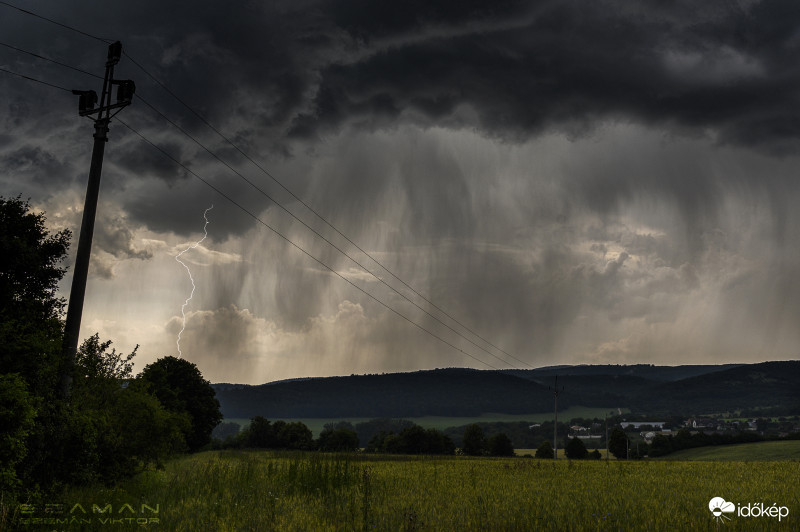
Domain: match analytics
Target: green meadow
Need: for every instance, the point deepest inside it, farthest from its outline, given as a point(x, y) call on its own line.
point(742, 452)
point(262, 490)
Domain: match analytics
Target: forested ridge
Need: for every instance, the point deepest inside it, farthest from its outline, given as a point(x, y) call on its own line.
point(468, 392)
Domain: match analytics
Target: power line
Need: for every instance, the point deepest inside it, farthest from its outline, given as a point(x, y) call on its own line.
point(306, 205)
point(317, 233)
point(322, 218)
point(36, 80)
point(287, 239)
point(51, 60)
point(12, 6)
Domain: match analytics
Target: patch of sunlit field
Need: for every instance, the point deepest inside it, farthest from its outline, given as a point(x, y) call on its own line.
point(252, 490)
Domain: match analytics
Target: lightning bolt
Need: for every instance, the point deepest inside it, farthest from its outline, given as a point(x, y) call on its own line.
point(191, 295)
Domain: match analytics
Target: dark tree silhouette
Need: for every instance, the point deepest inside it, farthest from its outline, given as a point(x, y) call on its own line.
point(500, 445)
point(545, 450)
point(618, 443)
point(260, 433)
point(575, 449)
point(338, 440)
point(181, 388)
point(30, 312)
point(474, 442)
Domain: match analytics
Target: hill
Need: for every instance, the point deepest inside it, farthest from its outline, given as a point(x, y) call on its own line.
point(645, 371)
point(769, 384)
point(469, 392)
point(445, 392)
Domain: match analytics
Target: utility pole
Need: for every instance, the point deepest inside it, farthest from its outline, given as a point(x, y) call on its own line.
point(606, 437)
point(86, 107)
point(555, 420)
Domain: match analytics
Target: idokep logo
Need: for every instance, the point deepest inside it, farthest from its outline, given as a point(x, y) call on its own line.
point(719, 507)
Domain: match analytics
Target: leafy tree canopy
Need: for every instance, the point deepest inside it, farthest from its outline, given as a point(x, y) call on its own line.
point(474, 442)
point(181, 388)
point(500, 445)
point(545, 450)
point(575, 449)
point(30, 312)
point(618, 443)
point(338, 440)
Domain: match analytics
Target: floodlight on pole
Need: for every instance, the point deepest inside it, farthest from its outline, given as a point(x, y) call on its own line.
point(87, 106)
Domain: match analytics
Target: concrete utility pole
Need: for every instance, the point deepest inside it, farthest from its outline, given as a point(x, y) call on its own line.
point(86, 107)
point(555, 420)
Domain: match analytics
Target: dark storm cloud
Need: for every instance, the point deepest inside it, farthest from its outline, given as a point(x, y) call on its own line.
point(554, 173)
point(511, 68)
point(567, 64)
point(35, 162)
point(150, 163)
point(266, 73)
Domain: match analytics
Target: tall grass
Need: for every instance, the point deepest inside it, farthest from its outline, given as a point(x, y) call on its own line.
point(229, 491)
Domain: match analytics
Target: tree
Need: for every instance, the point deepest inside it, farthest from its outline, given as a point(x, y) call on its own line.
point(137, 432)
point(473, 442)
point(412, 440)
point(500, 445)
point(618, 443)
point(338, 440)
point(294, 435)
point(439, 443)
point(16, 417)
point(377, 443)
point(575, 449)
point(131, 428)
point(181, 388)
point(30, 312)
point(545, 450)
point(260, 433)
point(595, 455)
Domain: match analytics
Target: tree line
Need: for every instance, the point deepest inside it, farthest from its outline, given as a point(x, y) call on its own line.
point(391, 437)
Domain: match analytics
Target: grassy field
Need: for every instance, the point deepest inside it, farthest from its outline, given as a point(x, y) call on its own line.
point(743, 452)
point(436, 422)
point(240, 491)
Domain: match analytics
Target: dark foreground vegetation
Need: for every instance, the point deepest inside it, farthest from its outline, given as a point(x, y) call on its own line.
point(113, 424)
point(274, 490)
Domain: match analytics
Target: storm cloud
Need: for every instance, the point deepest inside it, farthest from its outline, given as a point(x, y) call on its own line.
point(575, 182)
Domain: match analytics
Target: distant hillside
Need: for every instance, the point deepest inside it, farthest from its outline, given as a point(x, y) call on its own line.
point(445, 392)
point(754, 385)
point(646, 371)
point(469, 392)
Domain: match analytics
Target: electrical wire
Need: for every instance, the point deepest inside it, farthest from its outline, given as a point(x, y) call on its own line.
point(36, 80)
point(278, 182)
point(51, 60)
point(300, 248)
point(278, 233)
point(322, 218)
point(12, 6)
point(317, 233)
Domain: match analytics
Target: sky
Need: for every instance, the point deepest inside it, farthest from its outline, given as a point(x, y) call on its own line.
point(575, 182)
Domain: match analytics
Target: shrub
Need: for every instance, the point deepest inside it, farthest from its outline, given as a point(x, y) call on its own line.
point(545, 450)
point(500, 445)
